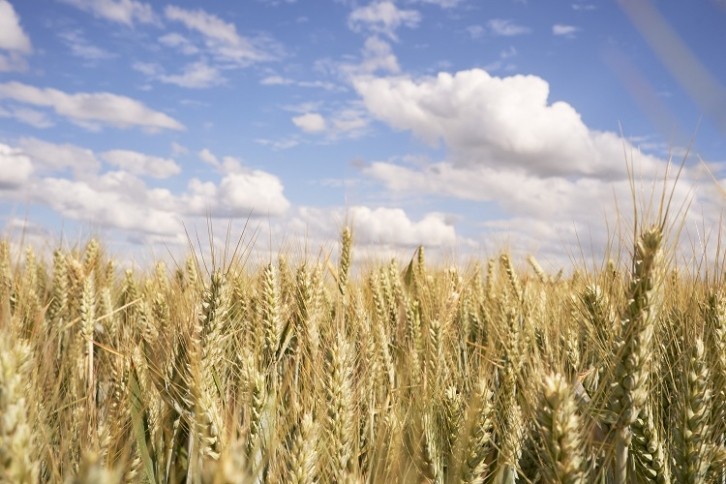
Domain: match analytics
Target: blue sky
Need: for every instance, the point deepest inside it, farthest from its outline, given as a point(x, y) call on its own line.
point(464, 126)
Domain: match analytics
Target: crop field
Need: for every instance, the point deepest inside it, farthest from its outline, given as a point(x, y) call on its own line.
point(307, 371)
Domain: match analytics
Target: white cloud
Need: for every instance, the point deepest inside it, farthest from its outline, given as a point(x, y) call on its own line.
point(116, 200)
point(13, 39)
point(125, 12)
point(221, 37)
point(392, 226)
point(81, 47)
point(276, 81)
point(508, 145)
point(278, 144)
point(15, 168)
point(36, 119)
point(251, 192)
point(382, 17)
point(564, 30)
point(208, 157)
point(87, 109)
point(310, 122)
point(141, 164)
point(255, 191)
point(228, 164)
point(498, 122)
point(506, 28)
point(550, 215)
point(441, 3)
point(349, 121)
point(147, 68)
point(205, 23)
point(378, 232)
point(52, 158)
point(12, 36)
point(196, 75)
point(12, 61)
point(178, 149)
point(180, 42)
point(378, 56)
point(122, 200)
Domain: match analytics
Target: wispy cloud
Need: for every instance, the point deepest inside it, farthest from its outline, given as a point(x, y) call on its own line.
point(31, 117)
point(382, 17)
point(196, 75)
point(506, 28)
point(178, 41)
point(563, 30)
point(126, 12)
point(441, 3)
point(276, 80)
point(82, 47)
point(476, 31)
point(220, 37)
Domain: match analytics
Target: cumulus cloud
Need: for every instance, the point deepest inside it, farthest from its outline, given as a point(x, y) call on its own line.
point(142, 164)
point(125, 12)
point(117, 200)
point(15, 168)
point(90, 109)
point(122, 199)
point(250, 192)
point(382, 17)
point(391, 226)
point(240, 192)
point(378, 231)
point(310, 122)
point(507, 144)
point(500, 122)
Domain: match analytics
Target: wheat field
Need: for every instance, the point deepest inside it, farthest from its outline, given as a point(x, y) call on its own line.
point(308, 371)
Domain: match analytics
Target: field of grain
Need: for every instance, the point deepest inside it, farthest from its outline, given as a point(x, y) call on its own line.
point(303, 370)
